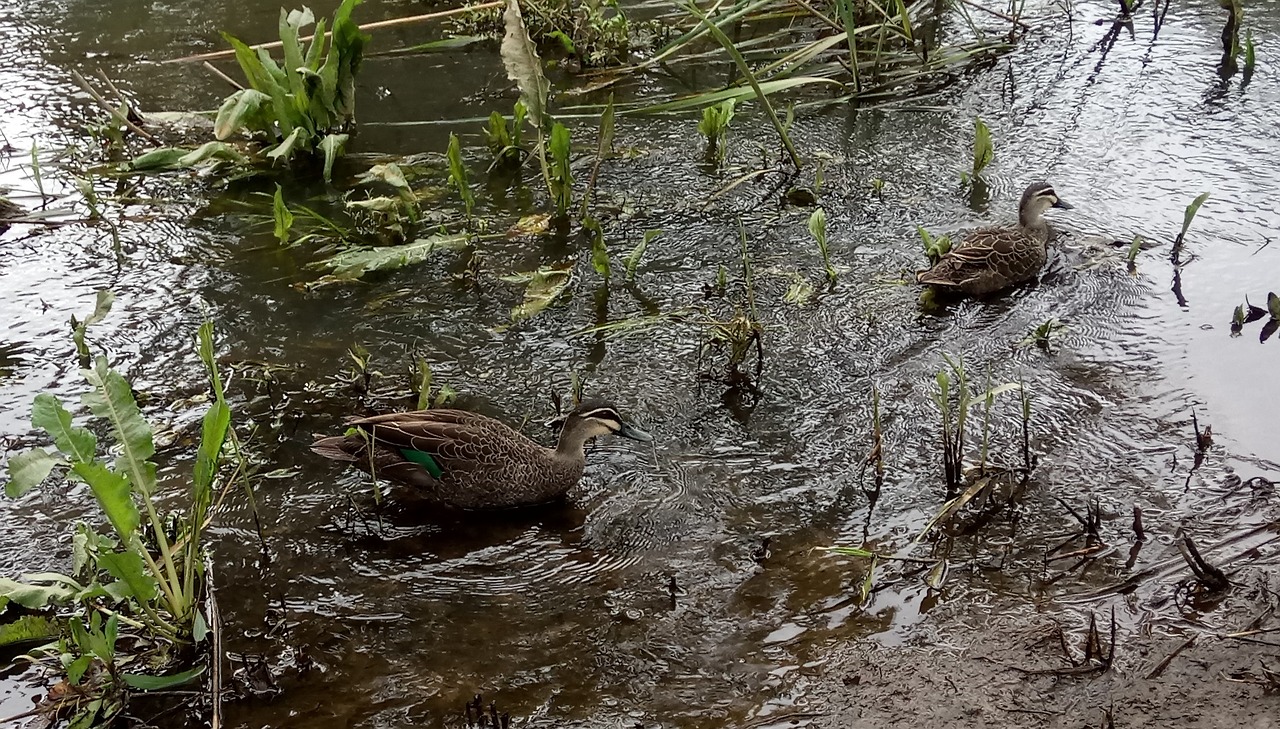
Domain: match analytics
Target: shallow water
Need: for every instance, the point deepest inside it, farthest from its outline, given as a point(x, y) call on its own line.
point(564, 614)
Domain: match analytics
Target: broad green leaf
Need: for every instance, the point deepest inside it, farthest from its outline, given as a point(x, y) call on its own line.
point(75, 443)
point(164, 158)
point(358, 261)
point(282, 216)
point(332, 146)
point(114, 496)
point(1189, 214)
point(291, 25)
point(599, 252)
point(542, 288)
point(127, 567)
point(982, 149)
point(27, 629)
point(156, 683)
point(112, 398)
point(101, 307)
point(76, 670)
point(240, 111)
point(212, 437)
point(199, 628)
point(35, 597)
point(30, 469)
point(285, 149)
point(633, 258)
point(1273, 305)
point(316, 48)
point(524, 67)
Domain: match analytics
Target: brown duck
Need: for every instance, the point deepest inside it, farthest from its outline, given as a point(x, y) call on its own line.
point(470, 461)
point(990, 259)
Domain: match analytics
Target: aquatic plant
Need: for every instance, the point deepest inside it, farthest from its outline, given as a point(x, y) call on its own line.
point(1044, 334)
point(633, 258)
point(599, 252)
point(604, 148)
point(1188, 215)
point(935, 247)
point(954, 397)
point(560, 170)
point(80, 328)
point(714, 127)
point(818, 229)
point(983, 152)
point(304, 103)
point(421, 386)
point(281, 215)
point(150, 574)
point(458, 174)
point(504, 138)
point(592, 33)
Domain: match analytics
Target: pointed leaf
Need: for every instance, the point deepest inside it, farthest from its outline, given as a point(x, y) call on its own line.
point(285, 149)
point(1273, 305)
point(101, 307)
point(48, 414)
point(114, 496)
point(332, 146)
point(282, 216)
point(633, 258)
point(357, 261)
point(241, 110)
point(524, 67)
point(28, 470)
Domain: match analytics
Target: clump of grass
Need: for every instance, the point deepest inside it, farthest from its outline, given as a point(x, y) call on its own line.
point(504, 138)
point(714, 127)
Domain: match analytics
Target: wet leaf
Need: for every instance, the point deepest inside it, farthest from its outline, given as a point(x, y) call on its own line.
point(241, 110)
point(212, 150)
point(332, 145)
point(48, 415)
point(34, 597)
point(285, 149)
point(524, 67)
point(127, 567)
point(599, 253)
point(983, 152)
point(937, 575)
point(164, 158)
point(30, 469)
point(114, 496)
point(359, 261)
point(280, 213)
point(542, 288)
point(1273, 305)
point(536, 224)
point(156, 683)
point(112, 398)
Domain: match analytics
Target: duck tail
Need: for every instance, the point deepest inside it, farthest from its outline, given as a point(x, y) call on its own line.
point(333, 447)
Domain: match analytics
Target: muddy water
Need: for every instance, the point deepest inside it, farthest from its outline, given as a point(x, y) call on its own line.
point(565, 614)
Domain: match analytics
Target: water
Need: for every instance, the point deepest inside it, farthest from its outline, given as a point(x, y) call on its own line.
point(564, 614)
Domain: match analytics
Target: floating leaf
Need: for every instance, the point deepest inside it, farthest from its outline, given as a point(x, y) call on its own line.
point(542, 288)
point(524, 67)
point(164, 158)
point(212, 150)
point(536, 224)
point(358, 261)
point(35, 597)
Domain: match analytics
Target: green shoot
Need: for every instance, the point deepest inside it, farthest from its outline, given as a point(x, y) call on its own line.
point(1188, 215)
point(79, 329)
point(458, 174)
point(983, 152)
point(561, 174)
point(599, 252)
point(818, 229)
point(280, 213)
point(714, 127)
point(633, 258)
point(935, 247)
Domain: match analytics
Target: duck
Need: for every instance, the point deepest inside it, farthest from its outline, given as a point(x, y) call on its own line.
point(988, 260)
point(466, 460)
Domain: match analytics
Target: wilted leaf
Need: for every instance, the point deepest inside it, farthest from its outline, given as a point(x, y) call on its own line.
point(536, 224)
point(240, 110)
point(28, 470)
point(524, 67)
point(937, 575)
point(285, 149)
point(542, 288)
point(800, 291)
point(358, 261)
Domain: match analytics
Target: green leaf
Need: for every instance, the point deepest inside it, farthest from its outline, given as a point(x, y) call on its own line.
point(356, 262)
point(35, 597)
point(767, 88)
point(48, 415)
point(561, 169)
point(114, 496)
point(101, 307)
point(1189, 214)
point(599, 252)
point(30, 469)
point(282, 216)
point(633, 258)
point(818, 226)
point(199, 628)
point(458, 174)
point(127, 567)
point(982, 149)
point(87, 717)
point(284, 150)
point(212, 150)
point(164, 158)
point(112, 398)
point(27, 629)
point(76, 670)
point(524, 67)
point(542, 288)
point(332, 146)
point(606, 130)
point(213, 435)
point(156, 683)
point(1273, 305)
point(241, 110)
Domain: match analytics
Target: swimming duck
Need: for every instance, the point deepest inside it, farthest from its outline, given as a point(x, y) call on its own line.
point(990, 259)
point(470, 461)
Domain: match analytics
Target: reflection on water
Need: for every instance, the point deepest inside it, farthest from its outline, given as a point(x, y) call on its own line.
point(650, 594)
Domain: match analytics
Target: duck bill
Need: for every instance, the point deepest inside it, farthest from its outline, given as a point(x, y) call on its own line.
point(1064, 205)
point(630, 431)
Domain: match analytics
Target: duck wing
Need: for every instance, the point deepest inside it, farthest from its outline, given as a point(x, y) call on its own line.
point(455, 440)
point(984, 252)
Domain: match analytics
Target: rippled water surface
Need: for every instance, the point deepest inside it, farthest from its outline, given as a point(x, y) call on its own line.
point(565, 613)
